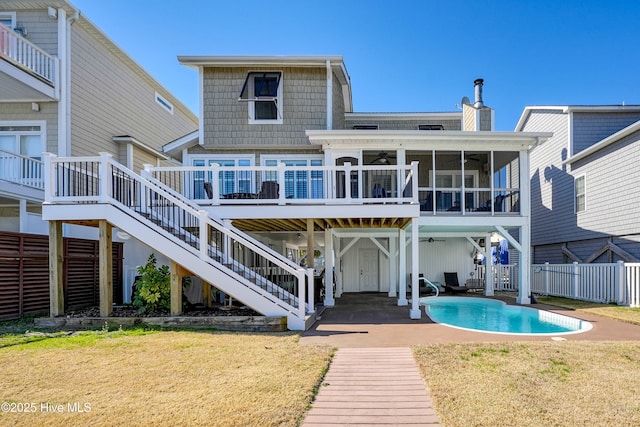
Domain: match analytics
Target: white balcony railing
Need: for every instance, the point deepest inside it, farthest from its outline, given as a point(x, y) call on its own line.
point(292, 185)
point(23, 53)
point(476, 200)
point(22, 170)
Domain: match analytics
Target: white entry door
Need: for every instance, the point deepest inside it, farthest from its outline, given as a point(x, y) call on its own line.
point(368, 263)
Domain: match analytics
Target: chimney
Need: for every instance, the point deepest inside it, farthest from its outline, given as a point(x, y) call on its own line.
point(478, 86)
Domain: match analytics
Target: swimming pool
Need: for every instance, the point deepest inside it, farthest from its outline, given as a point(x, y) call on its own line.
point(494, 316)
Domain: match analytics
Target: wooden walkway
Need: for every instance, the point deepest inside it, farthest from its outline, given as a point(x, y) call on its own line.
point(372, 386)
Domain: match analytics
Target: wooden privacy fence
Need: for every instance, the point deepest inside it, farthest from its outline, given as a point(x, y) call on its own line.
point(602, 283)
point(24, 274)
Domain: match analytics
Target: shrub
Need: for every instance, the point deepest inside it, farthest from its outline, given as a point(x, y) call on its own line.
point(153, 288)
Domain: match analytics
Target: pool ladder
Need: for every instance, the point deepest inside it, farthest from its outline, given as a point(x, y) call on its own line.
point(437, 288)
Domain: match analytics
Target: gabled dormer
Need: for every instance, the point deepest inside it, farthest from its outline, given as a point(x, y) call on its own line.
point(269, 100)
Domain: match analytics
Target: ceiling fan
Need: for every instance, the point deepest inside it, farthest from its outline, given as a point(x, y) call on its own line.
point(431, 240)
point(383, 159)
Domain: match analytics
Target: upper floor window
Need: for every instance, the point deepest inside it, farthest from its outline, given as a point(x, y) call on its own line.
point(580, 193)
point(262, 90)
point(22, 138)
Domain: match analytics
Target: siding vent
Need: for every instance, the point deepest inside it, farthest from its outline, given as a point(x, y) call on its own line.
point(366, 127)
point(430, 127)
point(164, 103)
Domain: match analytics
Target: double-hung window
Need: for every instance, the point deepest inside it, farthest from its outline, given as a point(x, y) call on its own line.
point(262, 90)
point(580, 193)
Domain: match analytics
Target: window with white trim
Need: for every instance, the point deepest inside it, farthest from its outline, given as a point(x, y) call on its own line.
point(262, 91)
point(22, 138)
point(300, 184)
point(580, 192)
point(230, 181)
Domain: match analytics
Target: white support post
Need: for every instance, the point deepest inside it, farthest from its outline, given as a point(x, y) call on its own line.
point(215, 184)
point(402, 276)
point(49, 178)
point(310, 291)
point(329, 96)
point(105, 179)
point(401, 172)
point(204, 233)
point(347, 182)
point(338, 267)
point(488, 267)
point(414, 313)
point(524, 266)
point(303, 277)
point(328, 268)
point(393, 267)
point(227, 251)
point(281, 182)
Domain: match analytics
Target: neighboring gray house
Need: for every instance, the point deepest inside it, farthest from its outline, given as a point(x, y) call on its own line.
point(67, 89)
point(585, 185)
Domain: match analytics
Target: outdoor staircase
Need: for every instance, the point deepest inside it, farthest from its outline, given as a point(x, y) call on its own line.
point(99, 188)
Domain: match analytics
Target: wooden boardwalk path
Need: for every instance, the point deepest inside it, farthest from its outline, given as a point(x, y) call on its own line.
point(372, 386)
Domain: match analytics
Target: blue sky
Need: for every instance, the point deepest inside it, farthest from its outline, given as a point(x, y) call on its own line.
point(402, 55)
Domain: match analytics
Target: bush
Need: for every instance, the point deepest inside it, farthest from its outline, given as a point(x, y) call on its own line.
point(153, 288)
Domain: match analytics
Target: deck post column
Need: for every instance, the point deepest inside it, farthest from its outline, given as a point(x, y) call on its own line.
point(402, 274)
point(414, 312)
point(177, 272)
point(206, 293)
point(56, 260)
point(393, 267)
point(488, 266)
point(310, 243)
point(338, 267)
point(106, 268)
point(328, 268)
point(524, 267)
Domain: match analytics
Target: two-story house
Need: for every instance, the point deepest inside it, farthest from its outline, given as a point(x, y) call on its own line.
point(67, 89)
point(584, 184)
point(282, 171)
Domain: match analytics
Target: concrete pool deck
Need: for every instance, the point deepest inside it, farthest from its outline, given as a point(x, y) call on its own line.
point(375, 320)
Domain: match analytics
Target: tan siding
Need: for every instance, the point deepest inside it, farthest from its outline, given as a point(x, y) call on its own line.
point(41, 30)
point(109, 99)
point(22, 112)
point(226, 119)
point(141, 157)
point(468, 117)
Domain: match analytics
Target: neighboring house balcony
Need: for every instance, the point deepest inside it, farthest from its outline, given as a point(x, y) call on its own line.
point(27, 73)
point(21, 176)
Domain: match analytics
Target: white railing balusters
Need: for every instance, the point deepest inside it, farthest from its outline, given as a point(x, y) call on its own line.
point(102, 180)
point(21, 169)
point(24, 53)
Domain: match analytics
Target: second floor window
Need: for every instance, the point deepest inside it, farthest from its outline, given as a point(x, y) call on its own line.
point(262, 90)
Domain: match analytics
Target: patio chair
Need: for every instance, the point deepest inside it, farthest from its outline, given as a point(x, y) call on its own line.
point(452, 285)
point(208, 188)
point(269, 190)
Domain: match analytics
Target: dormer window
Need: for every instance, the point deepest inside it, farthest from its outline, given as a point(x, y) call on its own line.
point(263, 93)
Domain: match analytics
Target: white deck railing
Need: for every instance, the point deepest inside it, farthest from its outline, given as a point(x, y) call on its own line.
point(288, 185)
point(617, 283)
point(90, 180)
point(25, 54)
point(21, 169)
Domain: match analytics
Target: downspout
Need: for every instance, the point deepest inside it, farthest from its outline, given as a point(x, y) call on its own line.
point(64, 80)
point(329, 96)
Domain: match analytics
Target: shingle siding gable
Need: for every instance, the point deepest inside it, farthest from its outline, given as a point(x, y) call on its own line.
point(226, 119)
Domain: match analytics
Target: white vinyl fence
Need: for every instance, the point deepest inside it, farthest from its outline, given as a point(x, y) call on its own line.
point(617, 283)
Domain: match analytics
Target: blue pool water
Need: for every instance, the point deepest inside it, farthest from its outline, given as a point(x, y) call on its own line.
point(488, 315)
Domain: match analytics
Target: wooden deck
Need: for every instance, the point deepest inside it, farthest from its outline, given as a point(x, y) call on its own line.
point(372, 386)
